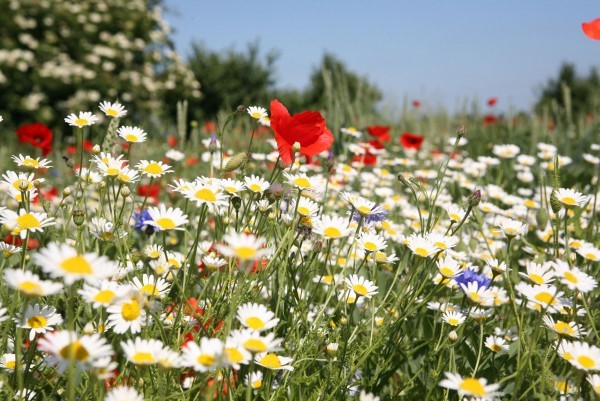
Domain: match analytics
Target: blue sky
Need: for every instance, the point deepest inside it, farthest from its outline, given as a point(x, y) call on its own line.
point(438, 52)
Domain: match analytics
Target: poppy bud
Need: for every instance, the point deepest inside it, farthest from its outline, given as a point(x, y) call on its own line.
point(235, 162)
point(474, 198)
point(236, 202)
point(555, 204)
point(78, 217)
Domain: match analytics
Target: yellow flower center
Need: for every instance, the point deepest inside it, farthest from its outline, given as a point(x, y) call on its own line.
point(104, 296)
point(472, 386)
point(30, 287)
point(255, 345)
point(112, 171)
point(454, 216)
point(206, 360)
point(143, 358)
point(76, 265)
point(245, 252)
point(28, 221)
point(453, 321)
point(257, 384)
point(81, 121)
point(255, 187)
point(153, 168)
point(29, 162)
point(10, 364)
point(271, 361)
point(586, 362)
point(255, 323)
point(131, 310)
point(332, 232)
point(234, 355)
point(360, 289)
point(440, 245)
point(370, 246)
point(364, 210)
point(546, 298)
point(205, 195)
point(447, 272)
point(303, 211)
point(131, 138)
point(123, 178)
point(567, 200)
point(536, 278)
point(421, 252)
point(75, 351)
point(256, 115)
point(37, 322)
point(571, 277)
point(112, 112)
point(302, 182)
point(590, 256)
point(149, 289)
point(165, 223)
point(564, 328)
point(496, 348)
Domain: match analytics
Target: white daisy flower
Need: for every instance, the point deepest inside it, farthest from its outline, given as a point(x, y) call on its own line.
point(84, 119)
point(113, 110)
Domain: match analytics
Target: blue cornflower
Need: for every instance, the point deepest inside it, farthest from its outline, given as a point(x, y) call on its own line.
point(469, 276)
point(379, 215)
point(139, 220)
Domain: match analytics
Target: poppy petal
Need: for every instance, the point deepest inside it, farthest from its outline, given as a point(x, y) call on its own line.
point(592, 29)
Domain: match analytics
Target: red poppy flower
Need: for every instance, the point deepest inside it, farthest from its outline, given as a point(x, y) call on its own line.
point(416, 104)
point(307, 128)
point(592, 29)
point(492, 101)
point(376, 145)
point(411, 141)
point(36, 134)
point(151, 191)
point(382, 133)
point(489, 120)
point(172, 141)
point(368, 159)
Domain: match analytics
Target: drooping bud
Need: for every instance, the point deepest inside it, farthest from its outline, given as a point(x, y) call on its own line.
point(235, 162)
point(474, 198)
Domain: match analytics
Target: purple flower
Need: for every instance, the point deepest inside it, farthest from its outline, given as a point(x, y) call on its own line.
point(469, 276)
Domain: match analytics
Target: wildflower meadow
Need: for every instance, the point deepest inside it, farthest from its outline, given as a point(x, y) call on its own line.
point(279, 254)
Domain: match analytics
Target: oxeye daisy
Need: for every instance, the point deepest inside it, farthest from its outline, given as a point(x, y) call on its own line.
point(232, 186)
point(582, 355)
point(478, 293)
point(62, 261)
point(570, 329)
point(205, 356)
point(212, 262)
point(154, 251)
point(506, 151)
point(571, 198)
point(30, 284)
point(573, 277)
point(167, 219)
point(84, 119)
point(206, 194)
point(361, 286)
point(594, 381)
point(245, 247)
point(496, 265)
point(104, 230)
point(64, 347)
point(103, 293)
point(589, 252)
point(442, 242)
point(331, 227)
point(25, 221)
point(254, 380)
point(511, 228)
point(256, 184)
point(88, 176)
point(471, 386)
point(38, 320)
point(300, 181)
point(306, 207)
point(546, 296)
point(234, 354)
point(153, 168)
point(113, 110)
point(254, 342)
point(273, 361)
point(31, 163)
point(127, 175)
point(257, 112)
point(8, 249)
point(421, 246)
point(496, 344)
point(538, 274)
point(142, 352)
point(127, 314)
point(448, 267)
point(9, 362)
point(132, 134)
point(453, 318)
point(256, 317)
point(371, 242)
point(151, 286)
point(123, 393)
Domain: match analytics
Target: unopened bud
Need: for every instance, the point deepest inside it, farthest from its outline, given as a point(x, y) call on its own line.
point(212, 146)
point(235, 162)
point(378, 226)
point(453, 336)
point(241, 108)
point(102, 185)
point(296, 147)
point(226, 221)
point(474, 198)
point(317, 247)
point(402, 178)
point(136, 256)
point(78, 217)
point(193, 123)
point(236, 202)
point(66, 192)
point(271, 216)
point(461, 131)
point(88, 328)
point(125, 192)
point(541, 217)
point(96, 149)
point(37, 184)
point(332, 348)
point(23, 185)
point(555, 204)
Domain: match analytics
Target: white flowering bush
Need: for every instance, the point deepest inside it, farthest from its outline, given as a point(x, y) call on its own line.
point(59, 55)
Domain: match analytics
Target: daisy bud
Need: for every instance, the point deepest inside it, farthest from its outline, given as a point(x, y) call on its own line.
point(125, 192)
point(235, 162)
point(271, 216)
point(555, 204)
point(226, 220)
point(96, 149)
point(343, 321)
point(136, 256)
point(378, 226)
point(475, 198)
point(296, 147)
point(88, 328)
point(37, 184)
point(66, 192)
point(453, 336)
point(78, 217)
point(332, 348)
point(101, 185)
point(23, 185)
point(241, 108)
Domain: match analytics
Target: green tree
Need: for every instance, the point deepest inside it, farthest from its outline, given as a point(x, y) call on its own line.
point(231, 78)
